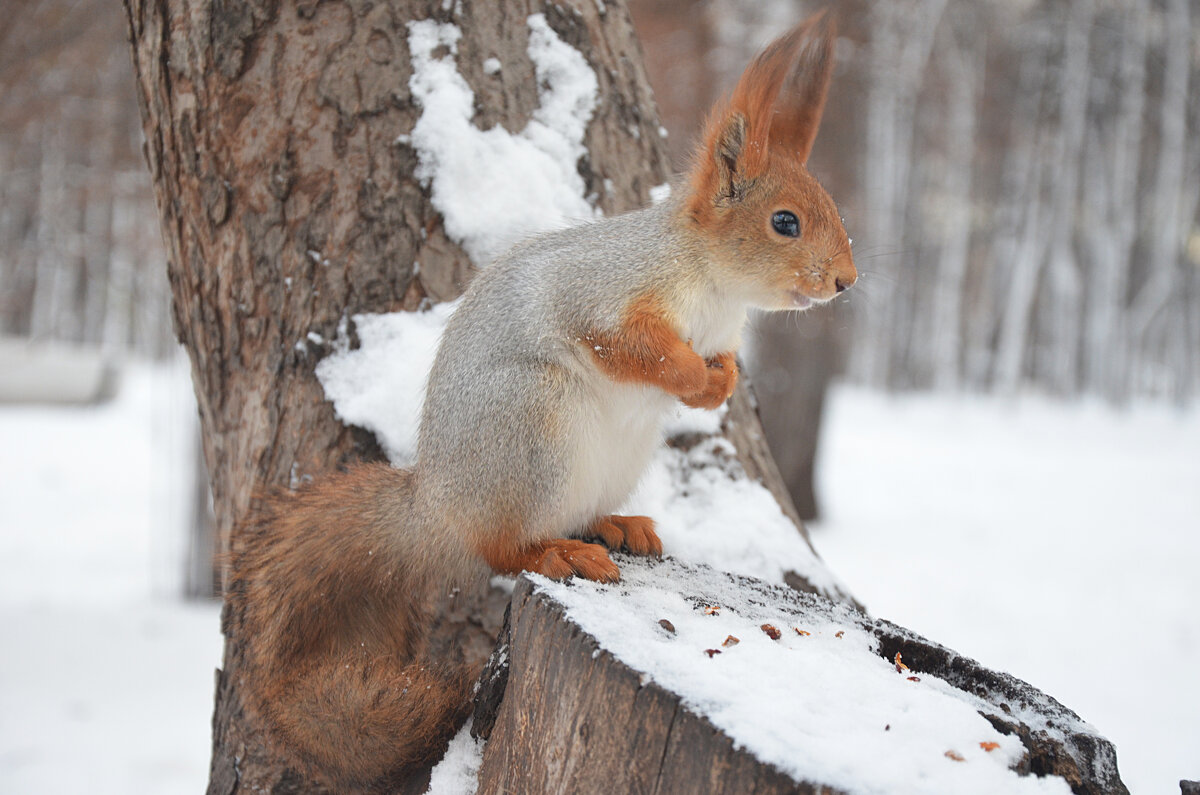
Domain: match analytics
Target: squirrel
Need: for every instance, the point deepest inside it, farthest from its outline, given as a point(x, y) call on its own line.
point(542, 410)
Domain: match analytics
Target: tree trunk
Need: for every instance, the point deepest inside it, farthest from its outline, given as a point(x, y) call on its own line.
point(276, 139)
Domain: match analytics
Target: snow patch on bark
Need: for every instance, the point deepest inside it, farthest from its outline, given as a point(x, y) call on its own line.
point(493, 187)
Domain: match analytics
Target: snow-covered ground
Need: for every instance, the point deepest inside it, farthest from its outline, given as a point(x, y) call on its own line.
point(1056, 542)
point(106, 676)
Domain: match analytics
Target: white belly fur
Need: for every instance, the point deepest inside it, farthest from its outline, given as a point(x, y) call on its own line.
point(613, 438)
point(616, 428)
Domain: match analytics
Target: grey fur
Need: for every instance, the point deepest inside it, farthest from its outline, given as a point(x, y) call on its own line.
point(514, 388)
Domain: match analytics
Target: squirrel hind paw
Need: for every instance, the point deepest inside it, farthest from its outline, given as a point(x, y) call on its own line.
point(564, 557)
point(633, 533)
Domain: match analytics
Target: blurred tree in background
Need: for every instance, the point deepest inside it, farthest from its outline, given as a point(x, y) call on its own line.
point(80, 256)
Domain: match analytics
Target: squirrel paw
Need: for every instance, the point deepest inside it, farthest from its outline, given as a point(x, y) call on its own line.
point(634, 533)
point(722, 378)
point(684, 372)
point(563, 557)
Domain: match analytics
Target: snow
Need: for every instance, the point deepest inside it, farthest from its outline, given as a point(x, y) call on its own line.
point(106, 681)
point(707, 511)
point(494, 188)
point(1057, 542)
point(823, 707)
point(380, 385)
point(457, 773)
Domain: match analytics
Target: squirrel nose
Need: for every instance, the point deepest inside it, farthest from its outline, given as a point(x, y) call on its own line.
point(843, 284)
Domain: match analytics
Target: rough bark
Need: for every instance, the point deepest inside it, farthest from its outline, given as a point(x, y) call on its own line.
point(560, 714)
point(274, 136)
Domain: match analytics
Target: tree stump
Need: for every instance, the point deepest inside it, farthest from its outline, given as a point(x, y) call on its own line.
point(562, 711)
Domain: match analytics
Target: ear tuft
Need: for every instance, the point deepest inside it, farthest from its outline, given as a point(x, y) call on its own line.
point(801, 100)
point(775, 108)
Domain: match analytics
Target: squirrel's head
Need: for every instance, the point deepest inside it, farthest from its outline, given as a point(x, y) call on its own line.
point(762, 215)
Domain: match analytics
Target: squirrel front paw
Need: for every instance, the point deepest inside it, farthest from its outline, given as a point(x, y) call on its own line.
point(683, 371)
point(722, 372)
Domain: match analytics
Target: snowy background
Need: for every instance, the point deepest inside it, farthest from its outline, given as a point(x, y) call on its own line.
point(1054, 541)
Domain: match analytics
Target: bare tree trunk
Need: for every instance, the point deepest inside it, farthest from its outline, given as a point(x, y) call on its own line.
point(794, 359)
point(903, 38)
point(277, 145)
point(1061, 307)
point(1109, 206)
point(1155, 301)
point(965, 62)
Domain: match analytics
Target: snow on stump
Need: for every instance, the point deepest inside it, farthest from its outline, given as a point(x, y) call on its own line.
point(683, 679)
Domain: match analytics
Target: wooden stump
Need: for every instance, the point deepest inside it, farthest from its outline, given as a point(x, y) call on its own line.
point(563, 714)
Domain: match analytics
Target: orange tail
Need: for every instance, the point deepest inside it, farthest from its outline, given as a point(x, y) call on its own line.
point(330, 611)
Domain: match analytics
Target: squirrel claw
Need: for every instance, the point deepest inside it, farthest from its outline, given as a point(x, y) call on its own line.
point(633, 533)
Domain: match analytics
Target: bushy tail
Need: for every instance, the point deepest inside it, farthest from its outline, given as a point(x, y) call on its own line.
point(361, 723)
point(328, 603)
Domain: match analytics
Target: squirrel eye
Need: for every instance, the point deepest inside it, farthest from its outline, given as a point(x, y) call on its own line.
point(786, 223)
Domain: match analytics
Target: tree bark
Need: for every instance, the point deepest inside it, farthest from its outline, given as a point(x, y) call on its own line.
point(275, 138)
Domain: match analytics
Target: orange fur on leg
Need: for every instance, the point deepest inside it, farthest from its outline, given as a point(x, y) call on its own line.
point(634, 533)
point(646, 349)
point(722, 378)
point(556, 559)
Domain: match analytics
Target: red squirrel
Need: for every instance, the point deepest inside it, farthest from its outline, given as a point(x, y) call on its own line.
point(542, 410)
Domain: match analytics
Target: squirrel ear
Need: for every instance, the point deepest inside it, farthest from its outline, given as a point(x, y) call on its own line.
point(728, 150)
point(777, 104)
point(801, 99)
